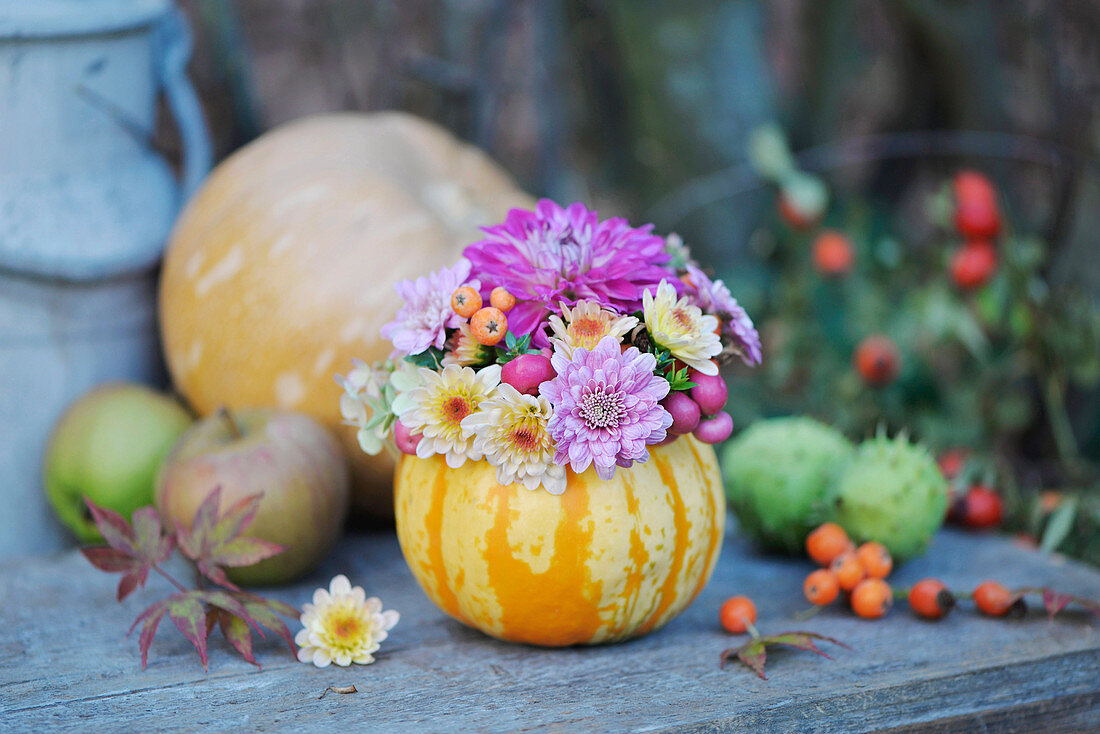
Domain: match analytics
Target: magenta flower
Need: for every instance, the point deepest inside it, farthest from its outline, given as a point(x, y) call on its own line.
point(606, 407)
point(554, 255)
point(427, 313)
point(714, 297)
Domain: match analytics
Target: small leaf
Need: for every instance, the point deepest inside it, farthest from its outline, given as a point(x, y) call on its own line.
point(1055, 602)
point(149, 630)
point(112, 526)
point(216, 574)
point(187, 613)
point(1059, 525)
point(266, 612)
point(212, 540)
point(108, 559)
point(133, 549)
point(211, 620)
point(236, 633)
point(131, 581)
point(246, 551)
point(754, 652)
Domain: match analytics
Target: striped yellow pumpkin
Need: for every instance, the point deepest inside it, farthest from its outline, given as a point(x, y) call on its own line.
point(605, 561)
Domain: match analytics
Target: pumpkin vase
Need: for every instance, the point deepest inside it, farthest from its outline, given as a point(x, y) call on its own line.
point(602, 562)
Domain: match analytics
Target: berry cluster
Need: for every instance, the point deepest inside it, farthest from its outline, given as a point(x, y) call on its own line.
point(698, 411)
point(978, 221)
point(859, 572)
point(488, 324)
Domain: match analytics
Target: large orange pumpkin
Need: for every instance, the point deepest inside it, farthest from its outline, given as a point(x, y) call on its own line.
point(605, 561)
point(281, 268)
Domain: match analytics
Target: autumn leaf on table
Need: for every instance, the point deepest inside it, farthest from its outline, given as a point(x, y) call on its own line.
point(132, 550)
point(214, 541)
point(754, 653)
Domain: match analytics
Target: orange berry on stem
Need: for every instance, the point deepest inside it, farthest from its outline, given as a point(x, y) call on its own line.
point(982, 507)
point(489, 325)
point(973, 264)
point(993, 598)
point(833, 253)
point(827, 542)
point(465, 301)
point(872, 598)
point(976, 211)
point(737, 614)
point(930, 598)
point(502, 299)
point(878, 360)
point(876, 559)
point(821, 587)
point(848, 570)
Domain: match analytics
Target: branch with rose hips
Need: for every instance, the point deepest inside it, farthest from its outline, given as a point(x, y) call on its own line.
point(213, 543)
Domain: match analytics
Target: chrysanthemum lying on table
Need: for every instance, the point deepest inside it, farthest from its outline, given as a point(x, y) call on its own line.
point(557, 341)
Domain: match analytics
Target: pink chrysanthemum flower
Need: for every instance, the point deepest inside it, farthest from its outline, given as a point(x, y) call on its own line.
point(554, 255)
point(606, 407)
point(427, 314)
point(714, 297)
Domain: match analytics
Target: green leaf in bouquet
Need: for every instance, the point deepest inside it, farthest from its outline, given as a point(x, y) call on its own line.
point(432, 358)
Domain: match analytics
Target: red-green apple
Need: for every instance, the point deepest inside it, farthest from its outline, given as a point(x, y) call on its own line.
point(289, 458)
point(108, 446)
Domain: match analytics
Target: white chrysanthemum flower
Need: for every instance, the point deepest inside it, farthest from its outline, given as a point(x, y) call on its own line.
point(587, 324)
point(682, 328)
point(464, 350)
point(363, 404)
point(342, 626)
point(438, 406)
point(511, 431)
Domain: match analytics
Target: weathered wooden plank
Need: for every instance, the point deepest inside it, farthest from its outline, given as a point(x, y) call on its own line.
point(63, 661)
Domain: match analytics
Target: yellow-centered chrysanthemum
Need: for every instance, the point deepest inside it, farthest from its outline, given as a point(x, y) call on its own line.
point(682, 328)
point(342, 626)
point(587, 324)
point(437, 407)
point(511, 431)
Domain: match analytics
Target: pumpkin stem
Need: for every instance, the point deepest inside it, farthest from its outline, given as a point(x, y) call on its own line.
point(231, 422)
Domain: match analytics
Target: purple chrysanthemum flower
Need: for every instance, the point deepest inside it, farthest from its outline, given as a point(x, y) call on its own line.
point(606, 407)
point(554, 255)
point(427, 313)
point(714, 297)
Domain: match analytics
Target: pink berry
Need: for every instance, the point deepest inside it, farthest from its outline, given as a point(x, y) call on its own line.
point(406, 440)
point(715, 428)
point(709, 392)
point(685, 412)
point(526, 372)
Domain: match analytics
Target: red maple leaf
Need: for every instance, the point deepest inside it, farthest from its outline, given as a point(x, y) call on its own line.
point(214, 540)
point(131, 550)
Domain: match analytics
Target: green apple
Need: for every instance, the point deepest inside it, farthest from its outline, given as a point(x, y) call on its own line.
point(108, 446)
point(294, 462)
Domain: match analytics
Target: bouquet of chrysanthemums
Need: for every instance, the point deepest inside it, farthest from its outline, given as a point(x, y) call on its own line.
point(557, 341)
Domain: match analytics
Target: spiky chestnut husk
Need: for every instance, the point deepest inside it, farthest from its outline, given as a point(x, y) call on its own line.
point(890, 491)
point(777, 475)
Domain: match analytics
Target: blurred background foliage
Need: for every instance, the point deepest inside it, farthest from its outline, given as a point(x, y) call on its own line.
point(646, 108)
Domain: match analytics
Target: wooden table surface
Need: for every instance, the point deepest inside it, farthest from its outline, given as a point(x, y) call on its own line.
point(65, 665)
